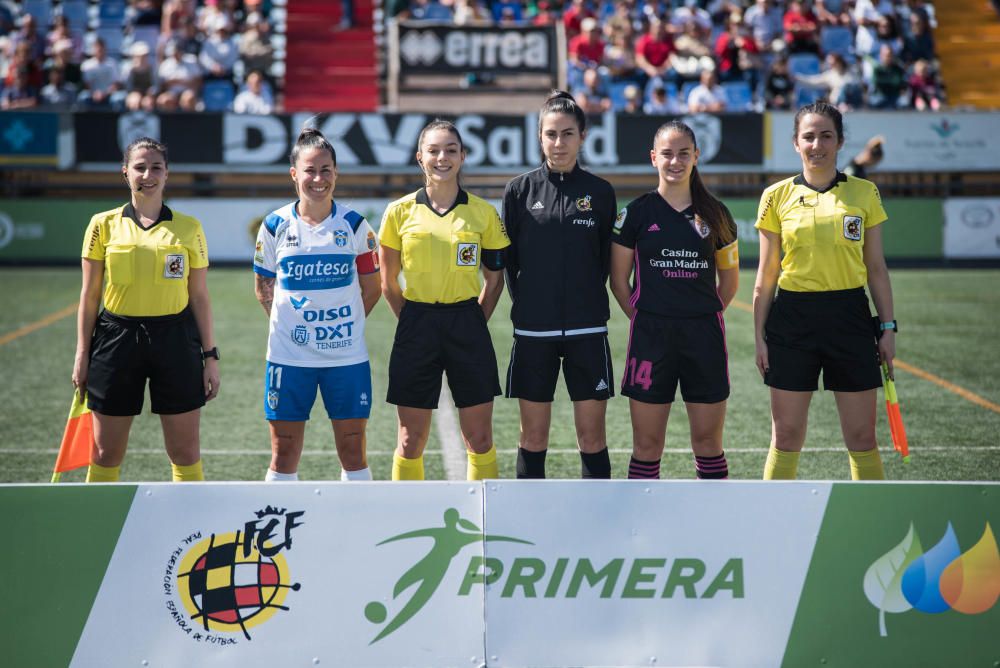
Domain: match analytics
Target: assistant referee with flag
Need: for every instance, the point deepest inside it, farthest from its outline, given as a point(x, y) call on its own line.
point(149, 265)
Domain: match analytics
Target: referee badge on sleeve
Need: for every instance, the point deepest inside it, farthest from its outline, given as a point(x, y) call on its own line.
point(852, 228)
point(173, 266)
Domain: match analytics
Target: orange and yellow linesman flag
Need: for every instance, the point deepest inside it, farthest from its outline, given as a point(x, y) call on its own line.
point(896, 428)
point(74, 452)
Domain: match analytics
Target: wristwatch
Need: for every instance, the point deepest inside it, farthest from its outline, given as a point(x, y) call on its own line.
point(214, 352)
point(883, 326)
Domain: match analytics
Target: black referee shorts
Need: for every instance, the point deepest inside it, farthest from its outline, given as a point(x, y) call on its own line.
point(534, 368)
point(125, 351)
point(829, 332)
point(663, 352)
point(432, 339)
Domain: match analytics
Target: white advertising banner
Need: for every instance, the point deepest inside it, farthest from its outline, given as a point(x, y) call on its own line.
point(914, 141)
point(291, 575)
point(231, 225)
point(625, 574)
point(972, 228)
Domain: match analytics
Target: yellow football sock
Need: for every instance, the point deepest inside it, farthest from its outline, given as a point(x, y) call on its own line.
point(190, 473)
point(98, 473)
point(866, 465)
point(407, 469)
point(484, 466)
point(781, 465)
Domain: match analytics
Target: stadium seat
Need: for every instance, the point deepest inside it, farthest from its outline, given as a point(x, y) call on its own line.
point(77, 12)
point(837, 39)
point(111, 13)
point(217, 95)
point(113, 38)
point(805, 95)
point(616, 91)
point(739, 97)
point(41, 10)
point(686, 91)
point(803, 63)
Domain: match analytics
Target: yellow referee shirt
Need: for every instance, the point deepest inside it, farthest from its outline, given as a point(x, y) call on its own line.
point(441, 251)
point(146, 270)
point(822, 233)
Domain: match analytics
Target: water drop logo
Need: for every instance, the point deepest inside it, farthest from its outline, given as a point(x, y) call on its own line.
point(939, 579)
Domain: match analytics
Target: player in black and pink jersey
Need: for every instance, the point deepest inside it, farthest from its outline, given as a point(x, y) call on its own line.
point(674, 269)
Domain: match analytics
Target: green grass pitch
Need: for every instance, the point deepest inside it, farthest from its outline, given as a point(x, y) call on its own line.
point(949, 323)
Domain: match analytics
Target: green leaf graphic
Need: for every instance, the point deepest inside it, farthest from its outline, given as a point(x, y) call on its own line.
point(883, 578)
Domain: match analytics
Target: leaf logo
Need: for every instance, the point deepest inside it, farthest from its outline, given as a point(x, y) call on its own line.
point(883, 580)
point(935, 581)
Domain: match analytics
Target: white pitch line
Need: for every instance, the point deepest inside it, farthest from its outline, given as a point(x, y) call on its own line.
point(264, 452)
point(450, 437)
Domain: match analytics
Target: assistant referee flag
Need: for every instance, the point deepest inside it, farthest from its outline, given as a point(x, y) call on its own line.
point(74, 452)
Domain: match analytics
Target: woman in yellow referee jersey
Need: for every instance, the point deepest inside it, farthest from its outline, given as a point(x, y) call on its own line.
point(820, 244)
point(440, 238)
point(148, 265)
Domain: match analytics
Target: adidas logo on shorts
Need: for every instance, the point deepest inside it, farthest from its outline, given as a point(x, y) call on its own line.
point(537, 205)
point(601, 386)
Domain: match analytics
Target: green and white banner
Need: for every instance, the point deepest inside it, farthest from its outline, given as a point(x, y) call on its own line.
point(502, 573)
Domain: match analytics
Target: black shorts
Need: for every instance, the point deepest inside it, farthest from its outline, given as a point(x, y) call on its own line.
point(663, 352)
point(832, 332)
point(432, 339)
point(534, 368)
point(124, 352)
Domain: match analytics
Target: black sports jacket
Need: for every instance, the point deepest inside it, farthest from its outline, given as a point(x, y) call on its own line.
point(557, 264)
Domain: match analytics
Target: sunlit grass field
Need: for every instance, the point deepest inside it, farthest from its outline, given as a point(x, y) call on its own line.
point(949, 322)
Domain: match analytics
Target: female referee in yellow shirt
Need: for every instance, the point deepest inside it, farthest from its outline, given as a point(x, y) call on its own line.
point(148, 264)
point(828, 227)
point(441, 237)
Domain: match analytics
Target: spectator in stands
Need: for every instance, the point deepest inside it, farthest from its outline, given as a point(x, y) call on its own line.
point(866, 18)
point(801, 29)
point(909, 7)
point(7, 13)
point(833, 13)
point(619, 60)
point(587, 48)
point(189, 102)
point(707, 96)
point(429, 10)
point(919, 42)
point(138, 74)
point(925, 89)
point(219, 53)
point(28, 34)
point(256, 50)
point(736, 53)
point(653, 49)
point(146, 103)
point(841, 84)
point(210, 15)
point(621, 21)
point(21, 61)
point(573, 17)
point(63, 57)
point(687, 13)
point(508, 11)
point(474, 13)
point(167, 101)
point(633, 100)
point(255, 98)
point(100, 77)
point(779, 88)
point(177, 74)
point(888, 80)
point(765, 21)
point(187, 40)
point(174, 13)
point(19, 94)
point(58, 95)
point(592, 96)
point(545, 15)
point(660, 102)
point(61, 31)
point(887, 33)
point(692, 54)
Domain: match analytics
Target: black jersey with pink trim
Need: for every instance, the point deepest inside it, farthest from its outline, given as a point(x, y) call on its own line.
point(674, 257)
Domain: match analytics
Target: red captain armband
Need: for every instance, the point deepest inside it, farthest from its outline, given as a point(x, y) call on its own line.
point(367, 263)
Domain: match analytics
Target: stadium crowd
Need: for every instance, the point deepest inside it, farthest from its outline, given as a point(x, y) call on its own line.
point(162, 55)
point(674, 56)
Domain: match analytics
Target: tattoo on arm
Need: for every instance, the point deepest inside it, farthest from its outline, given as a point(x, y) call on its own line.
point(264, 288)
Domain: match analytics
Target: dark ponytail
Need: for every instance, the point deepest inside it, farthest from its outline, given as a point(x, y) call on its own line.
point(707, 206)
point(311, 138)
